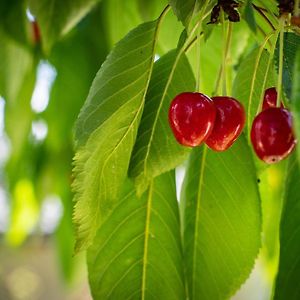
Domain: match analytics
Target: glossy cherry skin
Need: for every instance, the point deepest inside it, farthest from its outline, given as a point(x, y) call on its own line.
point(270, 98)
point(229, 123)
point(191, 117)
point(272, 134)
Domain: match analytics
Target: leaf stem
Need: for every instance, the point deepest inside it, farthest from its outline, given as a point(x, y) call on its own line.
point(259, 54)
point(198, 46)
point(267, 72)
point(279, 82)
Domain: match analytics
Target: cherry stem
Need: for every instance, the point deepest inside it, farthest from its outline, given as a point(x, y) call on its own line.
point(227, 34)
point(279, 82)
point(267, 73)
point(198, 48)
point(296, 8)
point(259, 54)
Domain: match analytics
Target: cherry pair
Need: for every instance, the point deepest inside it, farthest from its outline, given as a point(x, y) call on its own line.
point(195, 118)
point(272, 132)
point(218, 121)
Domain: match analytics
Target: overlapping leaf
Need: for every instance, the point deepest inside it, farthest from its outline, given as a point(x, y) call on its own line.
point(291, 44)
point(137, 253)
point(252, 78)
point(287, 283)
point(107, 127)
point(295, 101)
point(156, 150)
point(56, 17)
point(222, 221)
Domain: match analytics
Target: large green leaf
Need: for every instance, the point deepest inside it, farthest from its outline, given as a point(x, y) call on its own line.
point(56, 17)
point(287, 283)
point(250, 82)
point(156, 150)
point(221, 220)
point(291, 44)
point(107, 127)
point(137, 253)
point(295, 101)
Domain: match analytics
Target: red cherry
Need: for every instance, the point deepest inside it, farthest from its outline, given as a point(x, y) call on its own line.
point(270, 98)
point(272, 134)
point(229, 123)
point(191, 117)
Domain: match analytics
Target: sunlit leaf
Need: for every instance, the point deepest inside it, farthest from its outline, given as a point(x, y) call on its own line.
point(136, 253)
point(221, 221)
point(156, 150)
point(107, 127)
point(287, 286)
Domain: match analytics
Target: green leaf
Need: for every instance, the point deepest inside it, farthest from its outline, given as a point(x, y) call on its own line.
point(252, 78)
point(56, 18)
point(156, 150)
point(137, 253)
point(107, 127)
point(249, 16)
point(291, 44)
point(221, 220)
point(287, 282)
point(295, 101)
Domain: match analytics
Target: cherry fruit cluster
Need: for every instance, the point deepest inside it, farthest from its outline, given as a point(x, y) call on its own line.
point(196, 118)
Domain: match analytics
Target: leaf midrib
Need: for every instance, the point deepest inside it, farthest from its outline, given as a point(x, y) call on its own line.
point(147, 231)
point(199, 193)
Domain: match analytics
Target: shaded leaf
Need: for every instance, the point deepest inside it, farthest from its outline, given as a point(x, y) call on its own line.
point(56, 17)
point(295, 101)
point(136, 253)
point(107, 127)
point(250, 82)
point(287, 282)
point(156, 150)
point(291, 44)
point(249, 16)
point(221, 220)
